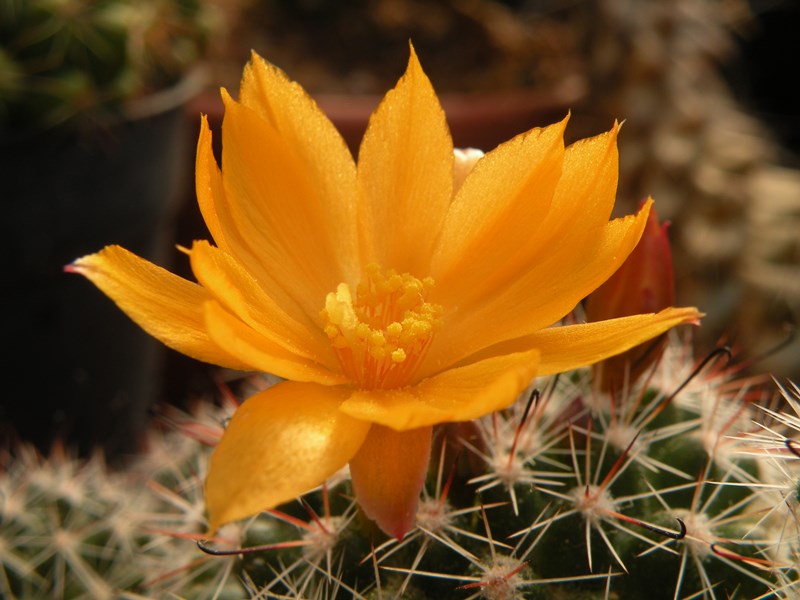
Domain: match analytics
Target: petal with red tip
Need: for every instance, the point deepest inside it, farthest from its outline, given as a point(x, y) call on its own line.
point(166, 306)
point(388, 472)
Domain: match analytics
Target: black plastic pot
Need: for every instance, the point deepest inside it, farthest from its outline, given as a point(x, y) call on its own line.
point(78, 369)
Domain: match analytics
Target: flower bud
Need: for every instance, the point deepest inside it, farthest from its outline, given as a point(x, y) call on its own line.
point(643, 284)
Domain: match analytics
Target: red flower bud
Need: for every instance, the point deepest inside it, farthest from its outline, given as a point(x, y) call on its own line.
point(643, 284)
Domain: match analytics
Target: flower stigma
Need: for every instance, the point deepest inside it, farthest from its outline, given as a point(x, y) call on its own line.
point(381, 335)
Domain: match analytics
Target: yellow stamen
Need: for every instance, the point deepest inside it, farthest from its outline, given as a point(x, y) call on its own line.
point(381, 335)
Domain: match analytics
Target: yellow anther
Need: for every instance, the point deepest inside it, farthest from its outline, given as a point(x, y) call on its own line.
point(377, 338)
point(393, 283)
point(363, 331)
point(420, 327)
point(381, 333)
point(394, 329)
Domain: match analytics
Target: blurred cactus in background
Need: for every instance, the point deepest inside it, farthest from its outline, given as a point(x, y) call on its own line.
point(66, 60)
point(719, 173)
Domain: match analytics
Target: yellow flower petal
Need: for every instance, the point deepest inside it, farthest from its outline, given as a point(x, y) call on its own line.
point(320, 161)
point(235, 289)
point(405, 175)
point(278, 445)
point(208, 184)
point(303, 237)
point(260, 352)
point(493, 221)
point(166, 306)
point(459, 394)
point(388, 472)
point(587, 189)
point(237, 236)
point(571, 346)
point(538, 298)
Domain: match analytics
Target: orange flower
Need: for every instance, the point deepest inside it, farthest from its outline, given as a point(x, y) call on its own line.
point(644, 283)
point(387, 296)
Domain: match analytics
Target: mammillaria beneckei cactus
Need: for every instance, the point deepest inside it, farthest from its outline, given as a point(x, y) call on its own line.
point(680, 485)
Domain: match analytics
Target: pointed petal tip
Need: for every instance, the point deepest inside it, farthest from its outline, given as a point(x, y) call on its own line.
point(212, 528)
point(84, 264)
point(254, 59)
point(693, 316)
point(682, 315)
point(394, 526)
point(557, 126)
point(227, 99)
point(401, 532)
point(414, 66)
point(612, 134)
point(79, 266)
point(412, 53)
point(645, 208)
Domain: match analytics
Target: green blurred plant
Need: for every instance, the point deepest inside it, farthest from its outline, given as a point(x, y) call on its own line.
point(77, 60)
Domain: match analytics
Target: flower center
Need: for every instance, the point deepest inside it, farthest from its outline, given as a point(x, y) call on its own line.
point(381, 335)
